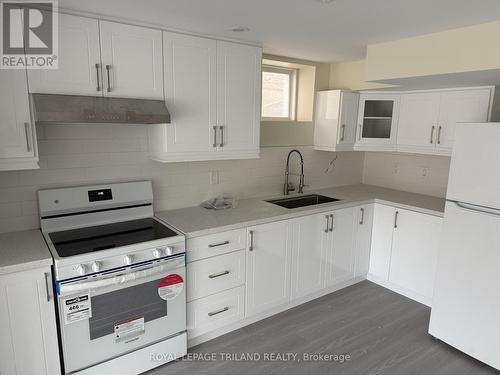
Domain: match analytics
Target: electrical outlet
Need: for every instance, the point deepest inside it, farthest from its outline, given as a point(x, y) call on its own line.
point(425, 171)
point(214, 177)
point(395, 168)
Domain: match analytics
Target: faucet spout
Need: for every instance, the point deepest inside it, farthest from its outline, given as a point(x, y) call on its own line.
point(288, 186)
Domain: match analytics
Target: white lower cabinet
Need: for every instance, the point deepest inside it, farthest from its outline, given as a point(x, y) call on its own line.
point(268, 266)
point(363, 240)
point(404, 251)
point(28, 334)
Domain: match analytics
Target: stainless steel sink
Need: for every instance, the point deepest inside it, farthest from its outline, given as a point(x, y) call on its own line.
point(302, 201)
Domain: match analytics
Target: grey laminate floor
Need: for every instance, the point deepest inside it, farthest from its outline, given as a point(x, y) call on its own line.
point(383, 332)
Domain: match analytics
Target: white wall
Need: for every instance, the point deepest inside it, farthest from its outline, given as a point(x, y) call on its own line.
point(86, 154)
point(415, 173)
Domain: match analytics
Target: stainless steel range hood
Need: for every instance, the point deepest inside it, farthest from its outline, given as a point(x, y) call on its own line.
point(49, 108)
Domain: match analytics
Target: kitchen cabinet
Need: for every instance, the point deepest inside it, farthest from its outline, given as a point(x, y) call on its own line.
point(104, 58)
point(404, 251)
point(268, 267)
point(377, 121)
point(18, 147)
point(363, 240)
point(28, 335)
point(212, 90)
point(131, 61)
point(79, 60)
point(340, 255)
point(335, 120)
point(310, 243)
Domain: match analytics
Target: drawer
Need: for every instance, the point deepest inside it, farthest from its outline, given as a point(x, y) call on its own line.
point(213, 275)
point(216, 311)
point(215, 244)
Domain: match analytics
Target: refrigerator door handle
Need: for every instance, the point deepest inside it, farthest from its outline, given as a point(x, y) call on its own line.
point(481, 209)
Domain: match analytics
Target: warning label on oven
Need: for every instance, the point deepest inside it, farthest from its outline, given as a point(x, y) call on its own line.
point(129, 329)
point(77, 308)
point(170, 287)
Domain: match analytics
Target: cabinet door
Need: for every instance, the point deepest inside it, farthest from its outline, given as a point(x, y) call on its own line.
point(190, 93)
point(17, 135)
point(79, 52)
point(381, 246)
point(309, 245)
point(132, 61)
point(341, 255)
point(326, 120)
point(378, 119)
point(418, 120)
point(268, 266)
point(348, 118)
point(28, 336)
point(414, 252)
point(363, 240)
point(461, 106)
point(238, 96)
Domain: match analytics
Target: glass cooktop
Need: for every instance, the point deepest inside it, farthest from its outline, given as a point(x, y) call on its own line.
point(86, 240)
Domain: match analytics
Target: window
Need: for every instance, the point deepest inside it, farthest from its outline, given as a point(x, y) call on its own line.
point(278, 93)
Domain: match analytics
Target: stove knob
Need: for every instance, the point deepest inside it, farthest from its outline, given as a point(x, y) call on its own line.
point(158, 252)
point(169, 250)
point(127, 259)
point(81, 269)
point(96, 266)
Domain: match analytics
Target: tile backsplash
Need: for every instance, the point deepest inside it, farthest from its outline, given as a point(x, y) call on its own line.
point(96, 153)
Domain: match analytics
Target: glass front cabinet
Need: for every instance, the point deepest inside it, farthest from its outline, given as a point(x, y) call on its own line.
point(377, 119)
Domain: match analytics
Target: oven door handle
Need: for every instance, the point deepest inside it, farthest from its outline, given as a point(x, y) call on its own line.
point(68, 288)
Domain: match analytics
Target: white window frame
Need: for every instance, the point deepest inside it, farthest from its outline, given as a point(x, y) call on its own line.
point(292, 108)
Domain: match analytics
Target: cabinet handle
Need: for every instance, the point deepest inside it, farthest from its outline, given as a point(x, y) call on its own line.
point(97, 67)
point(439, 135)
point(108, 68)
point(432, 134)
point(362, 221)
point(342, 137)
point(27, 133)
point(221, 128)
point(219, 244)
point(215, 275)
point(359, 133)
point(218, 311)
point(48, 287)
point(250, 232)
point(331, 222)
point(215, 136)
point(327, 217)
point(396, 219)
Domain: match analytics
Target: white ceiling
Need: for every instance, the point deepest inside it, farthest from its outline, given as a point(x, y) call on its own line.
point(308, 29)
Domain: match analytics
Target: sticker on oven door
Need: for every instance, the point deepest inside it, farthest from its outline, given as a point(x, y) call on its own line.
point(170, 287)
point(129, 329)
point(77, 308)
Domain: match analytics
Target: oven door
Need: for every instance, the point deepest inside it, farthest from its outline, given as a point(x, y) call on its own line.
point(106, 315)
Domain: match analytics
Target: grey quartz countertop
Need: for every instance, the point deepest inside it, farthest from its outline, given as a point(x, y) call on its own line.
point(20, 251)
point(197, 221)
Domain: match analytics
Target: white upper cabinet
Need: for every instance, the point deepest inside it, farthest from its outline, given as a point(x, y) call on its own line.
point(190, 93)
point(79, 69)
point(238, 98)
point(335, 120)
point(131, 61)
point(18, 147)
point(418, 120)
point(461, 106)
point(377, 121)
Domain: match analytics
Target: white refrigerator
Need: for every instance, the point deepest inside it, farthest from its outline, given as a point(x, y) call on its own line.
point(466, 306)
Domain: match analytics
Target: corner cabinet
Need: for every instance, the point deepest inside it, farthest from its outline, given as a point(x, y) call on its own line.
point(212, 90)
point(28, 334)
point(335, 120)
point(18, 146)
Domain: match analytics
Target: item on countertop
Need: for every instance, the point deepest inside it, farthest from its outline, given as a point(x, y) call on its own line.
point(221, 202)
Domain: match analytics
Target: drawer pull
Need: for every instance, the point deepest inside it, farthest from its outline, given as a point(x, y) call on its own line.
point(215, 275)
point(331, 223)
point(250, 232)
point(218, 311)
point(219, 244)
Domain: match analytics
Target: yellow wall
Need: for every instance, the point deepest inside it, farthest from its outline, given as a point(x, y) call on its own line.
point(350, 75)
point(466, 49)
